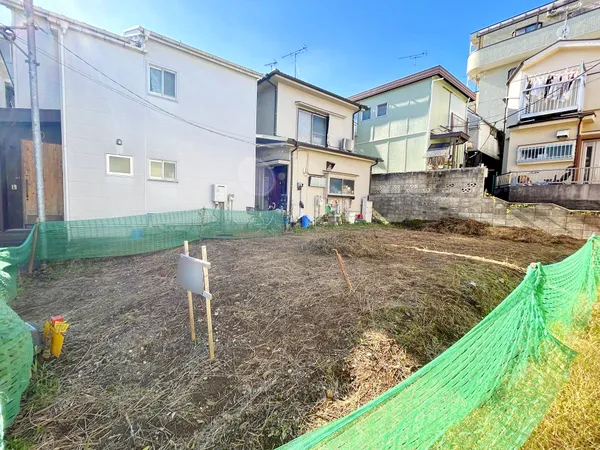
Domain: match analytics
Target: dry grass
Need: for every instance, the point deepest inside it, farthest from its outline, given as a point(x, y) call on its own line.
point(573, 421)
point(470, 227)
point(349, 244)
point(375, 365)
point(285, 330)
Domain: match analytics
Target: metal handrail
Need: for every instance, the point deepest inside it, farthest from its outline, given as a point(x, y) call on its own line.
point(567, 175)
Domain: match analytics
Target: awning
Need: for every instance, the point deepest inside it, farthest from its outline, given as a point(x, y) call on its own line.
point(437, 150)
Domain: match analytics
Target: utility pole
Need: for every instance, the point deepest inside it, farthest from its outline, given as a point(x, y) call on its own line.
point(38, 158)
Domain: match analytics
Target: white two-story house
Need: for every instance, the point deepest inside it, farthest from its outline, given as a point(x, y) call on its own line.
point(147, 123)
point(306, 162)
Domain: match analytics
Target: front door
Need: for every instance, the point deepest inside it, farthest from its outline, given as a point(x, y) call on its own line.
point(53, 182)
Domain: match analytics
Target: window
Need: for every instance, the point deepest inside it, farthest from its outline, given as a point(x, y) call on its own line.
point(341, 186)
point(312, 128)
point(366, 114)
point(163, 82)
point(119, 165)
point(527, 29)
point(546, 152)
point(163, 170)
point(382, 110)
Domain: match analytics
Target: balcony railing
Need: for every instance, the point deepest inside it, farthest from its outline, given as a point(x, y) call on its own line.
point(558, 151)
point(552, 98)
point(568, 175)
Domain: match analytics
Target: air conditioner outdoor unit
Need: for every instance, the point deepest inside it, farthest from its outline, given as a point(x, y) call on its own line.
point(347, 145)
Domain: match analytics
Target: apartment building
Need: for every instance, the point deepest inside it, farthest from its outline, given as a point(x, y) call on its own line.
point(553, 117)
point(415, 123)
point(133, 123)
point(496, 50)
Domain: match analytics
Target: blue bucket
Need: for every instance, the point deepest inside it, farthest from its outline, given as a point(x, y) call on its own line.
point(304, 221)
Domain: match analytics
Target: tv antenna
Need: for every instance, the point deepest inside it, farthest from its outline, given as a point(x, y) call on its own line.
point(563, 31)
point(414, 58)
point(295, 55)
point(271, 64)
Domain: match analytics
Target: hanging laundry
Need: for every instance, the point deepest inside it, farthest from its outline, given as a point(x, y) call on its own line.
point(548, 84)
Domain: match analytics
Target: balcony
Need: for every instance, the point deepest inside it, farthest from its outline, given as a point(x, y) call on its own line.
point(584, 25)
point(552, 98)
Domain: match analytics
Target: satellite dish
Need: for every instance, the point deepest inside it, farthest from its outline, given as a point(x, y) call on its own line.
point(563, 32)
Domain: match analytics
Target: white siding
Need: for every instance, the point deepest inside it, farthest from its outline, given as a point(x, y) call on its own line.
point(214, 96)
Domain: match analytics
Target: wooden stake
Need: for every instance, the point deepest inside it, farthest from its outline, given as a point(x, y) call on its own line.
point(32, 255)
point(211, 345)
point(343, 268)
point(186, 249)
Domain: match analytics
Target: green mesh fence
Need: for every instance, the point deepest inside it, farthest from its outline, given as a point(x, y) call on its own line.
point(491, 388)
point(101, 238)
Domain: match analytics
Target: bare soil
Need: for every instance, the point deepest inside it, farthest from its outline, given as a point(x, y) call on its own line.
point(294, 348)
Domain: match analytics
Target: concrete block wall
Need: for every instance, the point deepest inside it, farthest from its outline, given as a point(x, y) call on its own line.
point(433, 195)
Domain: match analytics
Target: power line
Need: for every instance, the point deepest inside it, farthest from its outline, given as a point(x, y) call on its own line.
point(141, 100)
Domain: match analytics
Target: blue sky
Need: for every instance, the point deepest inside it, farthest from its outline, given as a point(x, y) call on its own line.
point(352, 45)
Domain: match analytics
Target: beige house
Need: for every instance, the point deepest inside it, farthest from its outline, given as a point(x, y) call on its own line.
point(305, 152)
point(416, 123)
point(496, 50)
point(553, 110)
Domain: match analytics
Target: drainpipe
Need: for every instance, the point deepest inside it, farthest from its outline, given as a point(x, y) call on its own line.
point(274, 112)
point(291, 199)
point(578, 145)
point(63, 119)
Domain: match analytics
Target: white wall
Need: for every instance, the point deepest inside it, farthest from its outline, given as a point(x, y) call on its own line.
point(209, 94)
point(265, 115)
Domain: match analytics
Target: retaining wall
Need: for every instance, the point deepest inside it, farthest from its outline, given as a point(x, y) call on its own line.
point(432, 195)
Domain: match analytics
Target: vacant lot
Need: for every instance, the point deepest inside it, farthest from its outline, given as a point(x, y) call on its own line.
point(294, 347)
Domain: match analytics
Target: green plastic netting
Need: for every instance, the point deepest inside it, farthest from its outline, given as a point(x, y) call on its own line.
point(491, 388)
point(101, 238)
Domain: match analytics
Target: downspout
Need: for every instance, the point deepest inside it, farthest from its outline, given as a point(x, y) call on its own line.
point(63, 120)
point(275, 111)
point(578, 145)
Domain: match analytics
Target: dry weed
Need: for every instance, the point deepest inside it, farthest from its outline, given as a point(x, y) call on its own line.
point(373, 366)
point(348, 244)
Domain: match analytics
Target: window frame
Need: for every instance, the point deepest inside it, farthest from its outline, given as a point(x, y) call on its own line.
point(312, 132)
point(334, 194)
point(162, 81)
point(119, 174)
point(543, 148)
point(362, 117)
point(537, 25)
point(161, 178)
point(377, 110)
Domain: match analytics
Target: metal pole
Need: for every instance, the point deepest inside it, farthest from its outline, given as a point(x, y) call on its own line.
point(38, 159)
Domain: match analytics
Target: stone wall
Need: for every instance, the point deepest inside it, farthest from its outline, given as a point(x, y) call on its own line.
point(432, 195)
point(572, 196)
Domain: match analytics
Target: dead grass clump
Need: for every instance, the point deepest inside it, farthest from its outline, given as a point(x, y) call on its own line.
point(350, 244)
point(574, 419)
point(454, 225)
point(373, 366)
point(531, 236)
